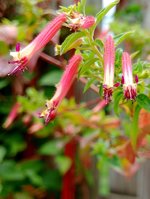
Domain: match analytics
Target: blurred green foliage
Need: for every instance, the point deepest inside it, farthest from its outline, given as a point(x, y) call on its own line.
point(32, 157)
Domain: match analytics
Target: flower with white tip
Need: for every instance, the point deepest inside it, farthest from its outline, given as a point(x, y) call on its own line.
point(22, 57)
point(129, 87)
point(62, 89)
point(109, 59)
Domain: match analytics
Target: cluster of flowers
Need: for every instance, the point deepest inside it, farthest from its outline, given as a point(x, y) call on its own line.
point(22, 57)
point(129, 87)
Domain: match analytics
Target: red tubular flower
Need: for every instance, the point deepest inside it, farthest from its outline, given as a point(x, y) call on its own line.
point(21, 57)
point(87, 22)
point(99, 106)
point(129, 86)
point(12, 115)
point(62, 88)
point(109, 59)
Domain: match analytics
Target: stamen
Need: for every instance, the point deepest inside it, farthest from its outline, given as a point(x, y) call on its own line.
point(21, 65)
point(108, 94)
point(136, 79)
point(122, 80)
point(17, 47)
point(50, 115)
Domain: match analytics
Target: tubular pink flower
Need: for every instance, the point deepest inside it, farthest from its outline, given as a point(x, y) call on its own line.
point(77, 21)
point(21, 57)
point(62, 88)
point(99, 106)
point(109, 59)
point(87, 22)
point(129, 86)
point(12, 115)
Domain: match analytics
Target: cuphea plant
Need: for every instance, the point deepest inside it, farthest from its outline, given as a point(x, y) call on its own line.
point(100, 63)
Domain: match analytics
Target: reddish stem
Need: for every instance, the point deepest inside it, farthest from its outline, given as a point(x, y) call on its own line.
point(68, 187)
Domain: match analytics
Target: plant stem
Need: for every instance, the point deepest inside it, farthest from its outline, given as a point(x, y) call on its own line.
point(92, 45)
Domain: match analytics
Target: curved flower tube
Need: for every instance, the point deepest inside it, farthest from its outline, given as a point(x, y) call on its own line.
point(129, 86)
point(21, 57)
point(62, 88)
point(109, 59)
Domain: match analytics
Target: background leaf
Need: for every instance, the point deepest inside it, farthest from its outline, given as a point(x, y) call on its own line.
point(69, 40)
point(121, 37)
point(143, 101)
point(51, 78)
point(104, 11)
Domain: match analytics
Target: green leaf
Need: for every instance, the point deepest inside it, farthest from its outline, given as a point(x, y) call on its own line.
point(63, 163)
point(69, 40)
point(2, 153)
point(99, 43)
point(143, 101)
point(121, 37)
point(34, 177)
point(118, 60)
point(50, 148)
point(101, 90)
point(10, 171)
point(104, 11)
point(82, 6)
point(88, 84)
point(16, 143)
point(52, 180)
point(134, 130)
point(117, 97)
point(3, 83)
point(3, 48)
point(138, 67)
point(86, 65)
point(35, 165)
point(133, 55)
point(51, 78)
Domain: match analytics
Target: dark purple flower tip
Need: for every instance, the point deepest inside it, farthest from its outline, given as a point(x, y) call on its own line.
point(136, 79)
point(130, 94)
point(17, 47)
point(20, 65)
point(50, 115)
point(108, 94)
point(122, 80)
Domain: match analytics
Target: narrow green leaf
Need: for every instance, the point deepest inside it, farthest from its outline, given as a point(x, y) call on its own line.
point(101, 90)
point(50, 78)
point(104, 11)
point(138, 67)
point(118, 59)
point(121, 37)
point(88, 84)
point(87, 64)
point(82, 6)
point(133, 55)
point(143, 101)
point(69, 40)
point(134, 130)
